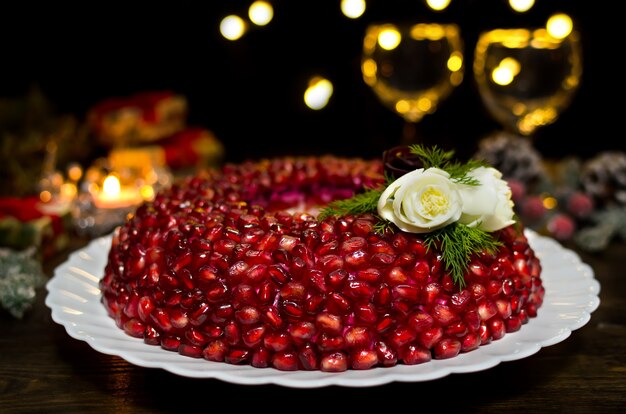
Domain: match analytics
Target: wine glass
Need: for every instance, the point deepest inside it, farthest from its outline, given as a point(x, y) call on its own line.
point(526, 77)
point(412, 67)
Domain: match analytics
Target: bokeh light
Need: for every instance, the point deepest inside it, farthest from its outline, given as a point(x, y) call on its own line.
point(353, 8)
point(232, 27)
point(318, 93)
point(261, 13)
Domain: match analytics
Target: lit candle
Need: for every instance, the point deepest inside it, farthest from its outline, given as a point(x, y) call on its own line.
point(113, 195)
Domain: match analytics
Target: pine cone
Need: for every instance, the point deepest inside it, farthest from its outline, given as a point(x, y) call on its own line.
point(513, 155)
point(604, 178)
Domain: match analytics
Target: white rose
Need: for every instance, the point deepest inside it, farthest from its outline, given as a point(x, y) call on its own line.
point(488, 205)
point(421, 201)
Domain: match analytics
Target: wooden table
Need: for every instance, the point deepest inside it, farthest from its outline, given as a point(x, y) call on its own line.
point(44, 370)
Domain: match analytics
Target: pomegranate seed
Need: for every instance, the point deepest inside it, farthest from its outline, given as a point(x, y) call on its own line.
point(190, 350)
point(334, 362)
point(460, 300)
point(357, 259)
point(145, 306)
point(151, 336)
point(371, 275)
point(382, 260)
point(366, 313)
point(407, 292)
point(135, 328)
point(485, 334)
point(178, 318)
point(302, 331)
point(430, 337)
point(420, 320)
point(414, 354)
point(308, 358)
point(421, 271)
point(386, 355)
point(162, 319)
point(504, 308)
point(215, 351)
point(444, 315)
point(456, 329)
point(364, 358)
point(385, 323)
point(171, 343)
point(278, 274)
point(330, 342)
point(261, 357)
point(496, 327)
point(285, 361)
point(237, 356)
point(337, 303)
point(487, 309)
point(401, 336)
point(277, 341)
point(447, 348)
point(248, 315)
point(430, 293)
point(470, 341)
point(330, 323)
point(357, 337)
point(513, 323)
point(397, 276)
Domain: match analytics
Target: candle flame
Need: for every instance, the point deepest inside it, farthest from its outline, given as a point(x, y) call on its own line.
point(111, 185)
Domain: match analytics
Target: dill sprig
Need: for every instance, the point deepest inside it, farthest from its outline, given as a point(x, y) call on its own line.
point(457, 243)
point(433, 156)
point(383, 226)
point(438, 158)
point(365, 202)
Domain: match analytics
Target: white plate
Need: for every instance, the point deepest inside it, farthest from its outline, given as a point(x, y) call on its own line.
point(571, 296)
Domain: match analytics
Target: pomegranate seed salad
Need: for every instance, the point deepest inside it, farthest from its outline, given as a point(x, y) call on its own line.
point(326, 263)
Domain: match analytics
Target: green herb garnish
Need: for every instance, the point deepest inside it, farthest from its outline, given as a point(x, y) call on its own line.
point(359, 204)
point(437, 158)
point(458, 243)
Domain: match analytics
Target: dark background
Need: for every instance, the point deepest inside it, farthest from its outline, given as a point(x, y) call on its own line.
point(249, 92)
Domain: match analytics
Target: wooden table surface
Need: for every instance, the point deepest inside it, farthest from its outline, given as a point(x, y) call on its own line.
point(44, 370)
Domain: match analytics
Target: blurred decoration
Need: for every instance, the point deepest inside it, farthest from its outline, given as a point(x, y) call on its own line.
point(577, 201)
point(34, 140)
point(515, 157)
point(353, 9)
point(604, 178)
point(26, 223)
point(138, 119)
point(150, 122)
point(20, 276)
point(527, 77)
point(318, 92)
